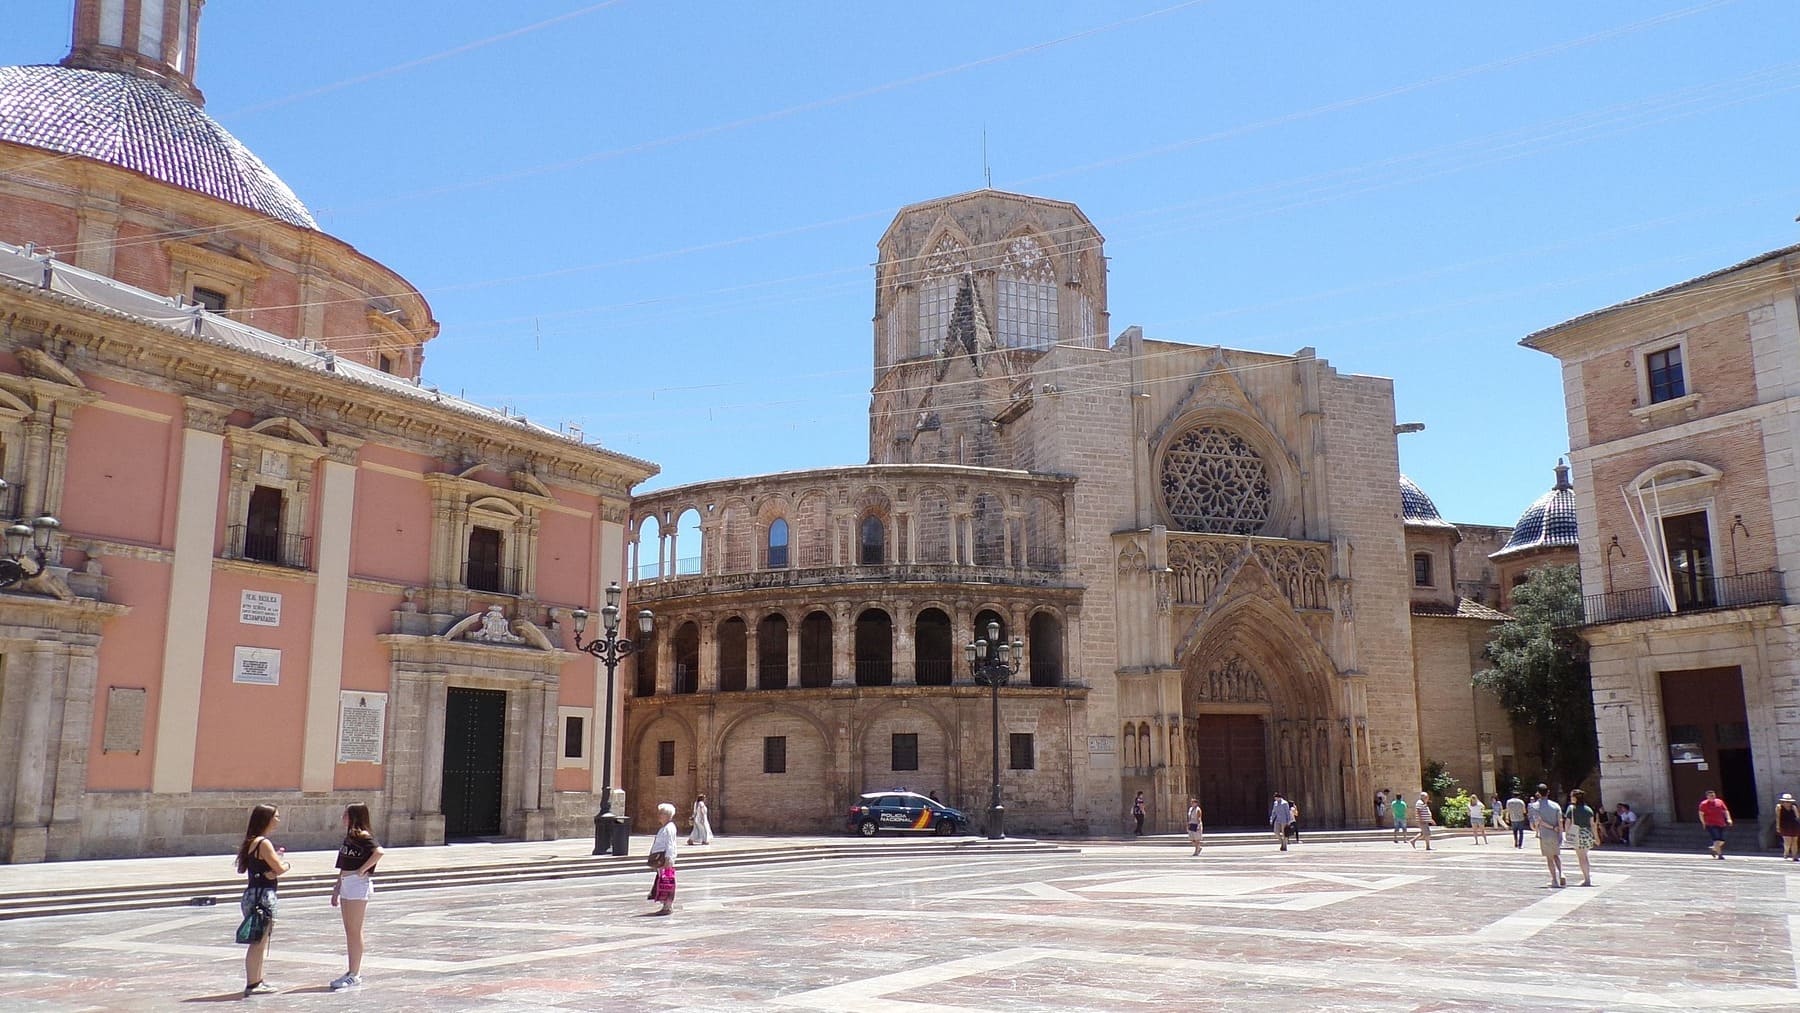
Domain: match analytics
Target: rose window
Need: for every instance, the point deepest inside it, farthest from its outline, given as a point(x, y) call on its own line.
point(1214, 481)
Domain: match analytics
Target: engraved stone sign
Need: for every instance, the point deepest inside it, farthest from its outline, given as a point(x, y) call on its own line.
point(259, 608)
point(124, 719)
point(362, 718)
point(259, 666)
point(1101, 743)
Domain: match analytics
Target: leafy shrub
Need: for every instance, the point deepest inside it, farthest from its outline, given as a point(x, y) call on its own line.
point(1453, 811)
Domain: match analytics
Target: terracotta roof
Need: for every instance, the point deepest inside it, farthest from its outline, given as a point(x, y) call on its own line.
point(1466, 608)
point(138, 124)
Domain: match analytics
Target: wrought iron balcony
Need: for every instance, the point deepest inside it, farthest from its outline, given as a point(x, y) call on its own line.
point(274, 548)
point(1708, 594)
point(492, 579)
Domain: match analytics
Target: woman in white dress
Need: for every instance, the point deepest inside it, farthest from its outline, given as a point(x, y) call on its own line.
point(702, 829)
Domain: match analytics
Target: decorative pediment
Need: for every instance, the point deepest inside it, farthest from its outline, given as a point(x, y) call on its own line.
point(493, 628)
point(1216, 389)
point(39, 363)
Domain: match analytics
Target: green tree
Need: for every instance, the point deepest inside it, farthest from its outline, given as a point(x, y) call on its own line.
point(1540, 672)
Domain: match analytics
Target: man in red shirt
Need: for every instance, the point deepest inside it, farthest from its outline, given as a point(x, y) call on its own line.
point(1715, 817)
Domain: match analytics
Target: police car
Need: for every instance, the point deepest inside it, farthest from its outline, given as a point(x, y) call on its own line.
point(906, 811)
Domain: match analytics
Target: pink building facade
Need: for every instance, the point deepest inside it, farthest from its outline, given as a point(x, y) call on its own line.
point(285, 570)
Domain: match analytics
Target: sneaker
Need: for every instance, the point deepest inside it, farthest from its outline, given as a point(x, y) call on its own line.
point(346, 981)
point(260, 988)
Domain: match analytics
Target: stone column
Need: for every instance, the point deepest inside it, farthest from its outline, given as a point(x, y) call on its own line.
point(431, 762)
point(906, 649)
point(80, 670)
point(331, 597)
point(31, 782)
point(707, 679)
point(843, 647)
point(752, 652)
point(665, 659)
point(189, 601)
point(793, 654)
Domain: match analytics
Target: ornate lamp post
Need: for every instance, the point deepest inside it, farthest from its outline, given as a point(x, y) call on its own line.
point(26, 542)
point(610, 650)
point(993, 663)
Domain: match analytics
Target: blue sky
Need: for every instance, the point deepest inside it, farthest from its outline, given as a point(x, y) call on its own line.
point(657, 221)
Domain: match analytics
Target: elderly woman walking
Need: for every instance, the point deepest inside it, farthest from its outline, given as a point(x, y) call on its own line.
point(662, 859)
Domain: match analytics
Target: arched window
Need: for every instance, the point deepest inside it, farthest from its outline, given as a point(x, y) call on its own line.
point(986, 616)
point(872, 544)
point(989, 522)
point(1046, 650)
point(944, 267)
point(776, 556)
point(687, 659)
point(1026, 292)
point(934, 655)
point(1128, 754)
point(687, 542)
point(772, 652)
point(734, 660)
point(874, 649)
point(815, 650)
point(648, 550)
point(645, 659)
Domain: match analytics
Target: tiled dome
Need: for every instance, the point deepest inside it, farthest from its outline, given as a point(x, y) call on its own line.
point(1548, 523)
point(138, 124)
point(1417, 508)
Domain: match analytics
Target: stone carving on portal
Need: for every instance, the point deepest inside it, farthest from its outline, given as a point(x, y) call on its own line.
point(1232, 682)
point(1297, 570)
point(1214, 481)
point(494, 629)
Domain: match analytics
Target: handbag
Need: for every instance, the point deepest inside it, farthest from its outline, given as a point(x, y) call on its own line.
point(658, 859)
point(254, 925)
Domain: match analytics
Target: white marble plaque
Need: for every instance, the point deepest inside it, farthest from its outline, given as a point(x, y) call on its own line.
point(1100, 744)
point(1614, 725)
point(362, 720)
point(260, 666)
point(259, 608)
point(124, 719)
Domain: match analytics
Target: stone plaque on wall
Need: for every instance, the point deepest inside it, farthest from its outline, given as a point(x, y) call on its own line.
point(124, 719)
point(362, 721)
point(259, 608)
point(259, 666)
point(1613, 722)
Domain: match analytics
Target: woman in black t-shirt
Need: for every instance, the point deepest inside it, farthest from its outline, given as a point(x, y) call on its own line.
point(356, 860)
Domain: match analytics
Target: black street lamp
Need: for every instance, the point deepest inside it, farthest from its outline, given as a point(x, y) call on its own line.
point(26, 542)
point(610, 650)
point(993, 662)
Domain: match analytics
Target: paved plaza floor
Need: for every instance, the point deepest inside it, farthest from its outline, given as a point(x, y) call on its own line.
point(1356, 926)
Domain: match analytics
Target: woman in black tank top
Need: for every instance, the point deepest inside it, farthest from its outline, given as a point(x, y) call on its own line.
point(262, 862)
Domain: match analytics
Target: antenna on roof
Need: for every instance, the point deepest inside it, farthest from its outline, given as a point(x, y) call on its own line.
point(987, 172)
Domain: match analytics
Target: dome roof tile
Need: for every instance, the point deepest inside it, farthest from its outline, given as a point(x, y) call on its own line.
point(1548, 523)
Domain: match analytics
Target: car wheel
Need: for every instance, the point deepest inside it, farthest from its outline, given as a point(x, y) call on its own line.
point(945, 828)
point(867, 828)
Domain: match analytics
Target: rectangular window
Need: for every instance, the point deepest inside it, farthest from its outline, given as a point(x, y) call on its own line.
point(1422, 570)
point(1024, 751)
point(484, 560)
point(1663, 370)
point(775, 754)
point(211, 299)
point(384, 362)
point(665, 758)
point(1690, 559)
point(262, 525)
point(573, 728)
point(906, 751)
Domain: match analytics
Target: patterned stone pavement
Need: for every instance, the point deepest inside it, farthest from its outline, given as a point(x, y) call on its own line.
point(1323, 927)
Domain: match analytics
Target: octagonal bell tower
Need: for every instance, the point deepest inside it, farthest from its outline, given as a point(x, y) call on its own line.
point(970, 291)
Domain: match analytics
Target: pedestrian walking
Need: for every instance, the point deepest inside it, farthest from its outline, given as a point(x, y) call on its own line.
point(260, 860)
point(662, 859)
point(1293, 829)
point(1546, 818)
point(1397, 813)
point(1787, 824)
point(1281, 813)
point(1196, 823)
point(356, 861)
point(701, 831)
point(1517, 819)
point(1496, 812)
point(1717, 818)
point(1137, 815)
point(1477, 820)
point(1421, 810)
point(1579, 819)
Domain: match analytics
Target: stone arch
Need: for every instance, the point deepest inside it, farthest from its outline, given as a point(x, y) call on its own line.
point(1044, 647)
point(1043, 534)
point(987, 522)
point(731, 643)
point(934, 646)
point(803, 797)
point(810, 529)
point(689, 541)
point(872, 753)
point(772, 650)
point(873, 647)
point(686, 657)
point(817, 633)
point(932, 538)
point(287, 429)
point(650, 785)
point(646, 540)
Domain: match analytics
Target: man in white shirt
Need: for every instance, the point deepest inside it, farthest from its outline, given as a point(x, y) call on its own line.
point(1547, 820)
point(1515, 818)
point(1281, 813)
point(1627, 820)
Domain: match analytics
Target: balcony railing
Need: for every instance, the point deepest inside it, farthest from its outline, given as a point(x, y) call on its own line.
point(492, 579)
point(1704, 595)
point(291, 551)
point(939, 573)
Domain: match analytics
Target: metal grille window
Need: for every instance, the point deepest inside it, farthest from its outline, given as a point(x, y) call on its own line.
point(212, 299)
point(1664, 369)
point(775, 754)
point(906, 751)
point(665, 758)
point(262, 525)
point(778, 544)
point(1422, 570)
point(1024, 751)
point(484, 560)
